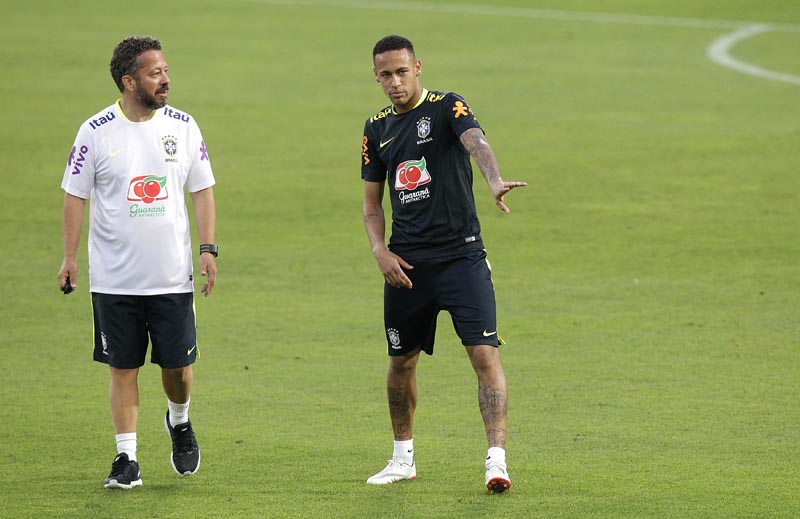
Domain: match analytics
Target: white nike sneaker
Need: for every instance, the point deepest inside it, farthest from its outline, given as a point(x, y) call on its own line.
point(397, 469)
point(497, 479)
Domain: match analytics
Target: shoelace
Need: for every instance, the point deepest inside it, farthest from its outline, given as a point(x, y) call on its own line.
point(119, 466)
point(391, 464)
point(183, 439)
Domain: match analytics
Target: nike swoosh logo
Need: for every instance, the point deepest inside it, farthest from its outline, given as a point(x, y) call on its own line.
point(115, 153)
point(487, 334)
point(190, 350)
point(384, 143)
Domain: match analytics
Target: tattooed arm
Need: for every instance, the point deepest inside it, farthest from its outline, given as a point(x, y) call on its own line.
point(478, 147)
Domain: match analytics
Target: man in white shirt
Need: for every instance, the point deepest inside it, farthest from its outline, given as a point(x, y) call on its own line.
point(135, 159)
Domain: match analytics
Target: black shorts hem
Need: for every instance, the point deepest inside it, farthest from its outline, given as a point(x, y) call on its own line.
point(403, 352)
point(108, 363)
point(481, 342)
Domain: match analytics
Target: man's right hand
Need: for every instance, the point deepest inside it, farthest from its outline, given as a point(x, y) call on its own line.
point(392, 266)
point(68, 271)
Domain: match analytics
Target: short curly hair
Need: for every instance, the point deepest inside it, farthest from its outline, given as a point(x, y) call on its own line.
point(393, 42)
point(125, 60)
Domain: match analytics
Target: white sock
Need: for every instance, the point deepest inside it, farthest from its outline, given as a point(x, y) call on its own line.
point(403, 449)
point(126, 442)
point(496, 454)
point(178, 413)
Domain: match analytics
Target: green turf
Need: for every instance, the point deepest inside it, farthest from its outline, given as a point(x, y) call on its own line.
point(647, 278)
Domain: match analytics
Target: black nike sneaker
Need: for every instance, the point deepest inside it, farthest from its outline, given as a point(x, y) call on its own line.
point(124, 473)
point(185, 457)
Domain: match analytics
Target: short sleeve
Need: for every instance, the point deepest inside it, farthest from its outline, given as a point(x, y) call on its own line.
point(81, 166)
point(372, 168)
point(459, 114)
point(200, 174)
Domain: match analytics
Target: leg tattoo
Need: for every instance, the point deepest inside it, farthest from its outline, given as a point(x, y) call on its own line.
point(493, 403)
point(400, 411)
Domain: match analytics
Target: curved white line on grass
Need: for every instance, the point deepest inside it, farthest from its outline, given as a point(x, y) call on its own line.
point(527, 12)
point(719, 52)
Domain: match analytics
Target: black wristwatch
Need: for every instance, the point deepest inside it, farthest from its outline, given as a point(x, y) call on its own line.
point(211, 248)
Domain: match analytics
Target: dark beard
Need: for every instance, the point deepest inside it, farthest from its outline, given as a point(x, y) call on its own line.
point(150, 100)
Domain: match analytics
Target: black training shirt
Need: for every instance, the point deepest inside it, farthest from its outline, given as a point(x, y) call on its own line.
point(429, 175)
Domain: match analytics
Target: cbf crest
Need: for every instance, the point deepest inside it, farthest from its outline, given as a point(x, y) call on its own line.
point(394, 338)
point(170, 145)
point(424, 127)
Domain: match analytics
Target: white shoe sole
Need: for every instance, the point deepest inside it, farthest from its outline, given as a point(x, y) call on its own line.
point(114, 484)
point(370, 481)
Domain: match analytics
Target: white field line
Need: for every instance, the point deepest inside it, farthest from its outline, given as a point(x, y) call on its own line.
point(718, 51)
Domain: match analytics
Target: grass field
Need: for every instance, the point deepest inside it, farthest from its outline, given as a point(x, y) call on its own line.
point(648, 280)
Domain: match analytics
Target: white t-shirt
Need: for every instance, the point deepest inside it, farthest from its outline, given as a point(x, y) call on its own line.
point(135, 174)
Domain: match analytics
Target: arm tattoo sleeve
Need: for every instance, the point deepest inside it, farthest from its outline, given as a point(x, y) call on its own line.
point(478, 147)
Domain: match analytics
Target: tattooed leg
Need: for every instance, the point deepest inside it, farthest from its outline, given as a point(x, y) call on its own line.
point(401, 390)
point(494, 404)
point(492, 392)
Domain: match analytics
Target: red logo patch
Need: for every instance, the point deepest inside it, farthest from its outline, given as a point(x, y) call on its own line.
point(147, 189)
point(411, 174)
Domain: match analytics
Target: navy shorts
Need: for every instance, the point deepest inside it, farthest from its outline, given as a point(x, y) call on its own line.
point(460, 285)
point(124, 324)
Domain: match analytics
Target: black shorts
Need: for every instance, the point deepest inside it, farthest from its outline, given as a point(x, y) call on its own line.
point(460, 285)
point(123, 325)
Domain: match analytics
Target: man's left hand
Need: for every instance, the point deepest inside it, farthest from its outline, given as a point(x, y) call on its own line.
point(208, 267)
point(500, 189)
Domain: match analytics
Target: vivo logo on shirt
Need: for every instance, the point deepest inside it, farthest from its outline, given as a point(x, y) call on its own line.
point(79, 160)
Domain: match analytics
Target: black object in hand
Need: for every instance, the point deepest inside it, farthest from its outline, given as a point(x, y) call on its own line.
point(67, 288)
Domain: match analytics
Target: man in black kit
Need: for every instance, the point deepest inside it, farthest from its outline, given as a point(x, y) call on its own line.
point(421, 146)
